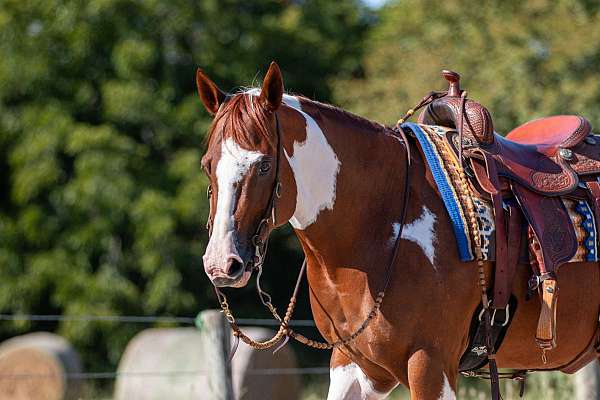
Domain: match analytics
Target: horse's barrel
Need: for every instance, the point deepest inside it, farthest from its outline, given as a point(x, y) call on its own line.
point(35, 366)
point(169, 363)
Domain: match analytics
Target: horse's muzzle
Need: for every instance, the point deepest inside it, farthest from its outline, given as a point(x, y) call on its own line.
point(236, 273)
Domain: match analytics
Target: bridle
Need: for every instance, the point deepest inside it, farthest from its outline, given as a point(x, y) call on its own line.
point(260, 241)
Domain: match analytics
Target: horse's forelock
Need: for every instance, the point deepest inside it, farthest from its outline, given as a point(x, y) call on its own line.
point(245, 120)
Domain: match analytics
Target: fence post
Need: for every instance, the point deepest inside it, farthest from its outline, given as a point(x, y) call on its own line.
point(587, 382)
point(216, 342)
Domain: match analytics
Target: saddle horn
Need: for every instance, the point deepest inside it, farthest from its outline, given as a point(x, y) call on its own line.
point(446, 111)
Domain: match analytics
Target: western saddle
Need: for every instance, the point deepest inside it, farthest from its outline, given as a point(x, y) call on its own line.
point(524, 174)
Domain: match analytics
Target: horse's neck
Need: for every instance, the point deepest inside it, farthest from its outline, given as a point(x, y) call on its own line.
point(349, 177)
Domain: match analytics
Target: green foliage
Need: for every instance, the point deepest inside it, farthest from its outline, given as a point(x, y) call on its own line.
point(522, 59)
point(102, 199)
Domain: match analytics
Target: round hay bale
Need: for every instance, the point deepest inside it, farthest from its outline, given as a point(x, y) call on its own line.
point(35, 366)
point(168, 363)
point(255, 374)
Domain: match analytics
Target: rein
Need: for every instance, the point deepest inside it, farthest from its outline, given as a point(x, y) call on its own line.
point(260, 241)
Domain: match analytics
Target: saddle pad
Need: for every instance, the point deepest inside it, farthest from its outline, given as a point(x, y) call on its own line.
point(449, 190)
point(580, 212)
point(582, 218)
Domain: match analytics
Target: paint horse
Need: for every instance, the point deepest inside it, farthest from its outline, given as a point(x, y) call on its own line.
point(342, 182)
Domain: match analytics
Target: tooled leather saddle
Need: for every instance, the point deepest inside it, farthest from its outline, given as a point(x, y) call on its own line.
point(525, 174)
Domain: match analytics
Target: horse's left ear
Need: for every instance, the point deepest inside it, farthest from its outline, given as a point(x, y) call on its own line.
point(272, 89)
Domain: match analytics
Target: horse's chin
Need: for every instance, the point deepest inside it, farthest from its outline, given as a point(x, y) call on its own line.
point(239, 282)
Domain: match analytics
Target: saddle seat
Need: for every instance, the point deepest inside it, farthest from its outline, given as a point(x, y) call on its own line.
point(550, 134)
point(536, 154)
point(540, 154)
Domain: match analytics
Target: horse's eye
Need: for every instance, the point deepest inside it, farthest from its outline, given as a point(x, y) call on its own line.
point(264, 167)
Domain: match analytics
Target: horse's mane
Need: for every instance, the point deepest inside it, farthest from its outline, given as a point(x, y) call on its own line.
point(244, 119)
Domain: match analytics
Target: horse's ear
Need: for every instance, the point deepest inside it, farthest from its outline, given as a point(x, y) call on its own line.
point(212, 97)
point(272, 89)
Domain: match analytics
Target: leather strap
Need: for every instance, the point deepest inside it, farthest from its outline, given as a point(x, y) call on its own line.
point(545, 335)
point(504, 279)
point(501, 266)
point(503, 270)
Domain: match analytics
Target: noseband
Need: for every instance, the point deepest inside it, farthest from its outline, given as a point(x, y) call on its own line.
point(260, 241)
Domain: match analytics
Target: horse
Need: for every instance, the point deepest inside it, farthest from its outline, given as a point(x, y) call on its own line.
point(352, 190)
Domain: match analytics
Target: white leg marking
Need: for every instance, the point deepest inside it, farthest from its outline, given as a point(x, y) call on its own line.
point(349, 382)
point(231, 168)
point(315, 167)
point(421, 232)
point(447, 393)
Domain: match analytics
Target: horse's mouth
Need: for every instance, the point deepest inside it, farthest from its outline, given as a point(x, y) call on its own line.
point(238, 281)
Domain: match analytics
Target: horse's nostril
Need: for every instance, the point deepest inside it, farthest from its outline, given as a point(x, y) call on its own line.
point(235, 268)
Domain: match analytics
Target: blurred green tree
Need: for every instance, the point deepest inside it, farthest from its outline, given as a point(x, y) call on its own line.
point(522, 59)
point(102, 200)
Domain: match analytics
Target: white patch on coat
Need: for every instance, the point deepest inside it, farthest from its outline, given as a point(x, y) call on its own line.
point(231, 168)
point(447, 393)
point(395, 232)
point(315, 167)
point(421, 232)
point(349, 382)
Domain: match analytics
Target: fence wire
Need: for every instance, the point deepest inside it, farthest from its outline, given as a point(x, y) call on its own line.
point(141, 319)
point(162, 374)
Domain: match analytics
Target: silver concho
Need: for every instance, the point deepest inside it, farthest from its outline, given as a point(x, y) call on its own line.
point(566, 154)
point(479, 350)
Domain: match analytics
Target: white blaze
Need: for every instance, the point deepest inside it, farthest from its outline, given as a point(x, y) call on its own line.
point(315, 167)
point(231, 168)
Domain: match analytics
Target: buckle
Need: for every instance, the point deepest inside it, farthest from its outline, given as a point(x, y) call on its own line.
point(493, 317)
point(506, 316)
point(534, 282)
point(483, 310)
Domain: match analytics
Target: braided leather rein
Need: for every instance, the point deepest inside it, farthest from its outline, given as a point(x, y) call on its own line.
point(260, 242)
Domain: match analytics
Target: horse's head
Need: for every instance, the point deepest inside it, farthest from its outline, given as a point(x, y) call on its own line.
point(242, 162)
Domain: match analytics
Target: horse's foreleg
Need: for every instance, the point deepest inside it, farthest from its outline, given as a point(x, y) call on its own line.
point(349, 382)
point(428, 379)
